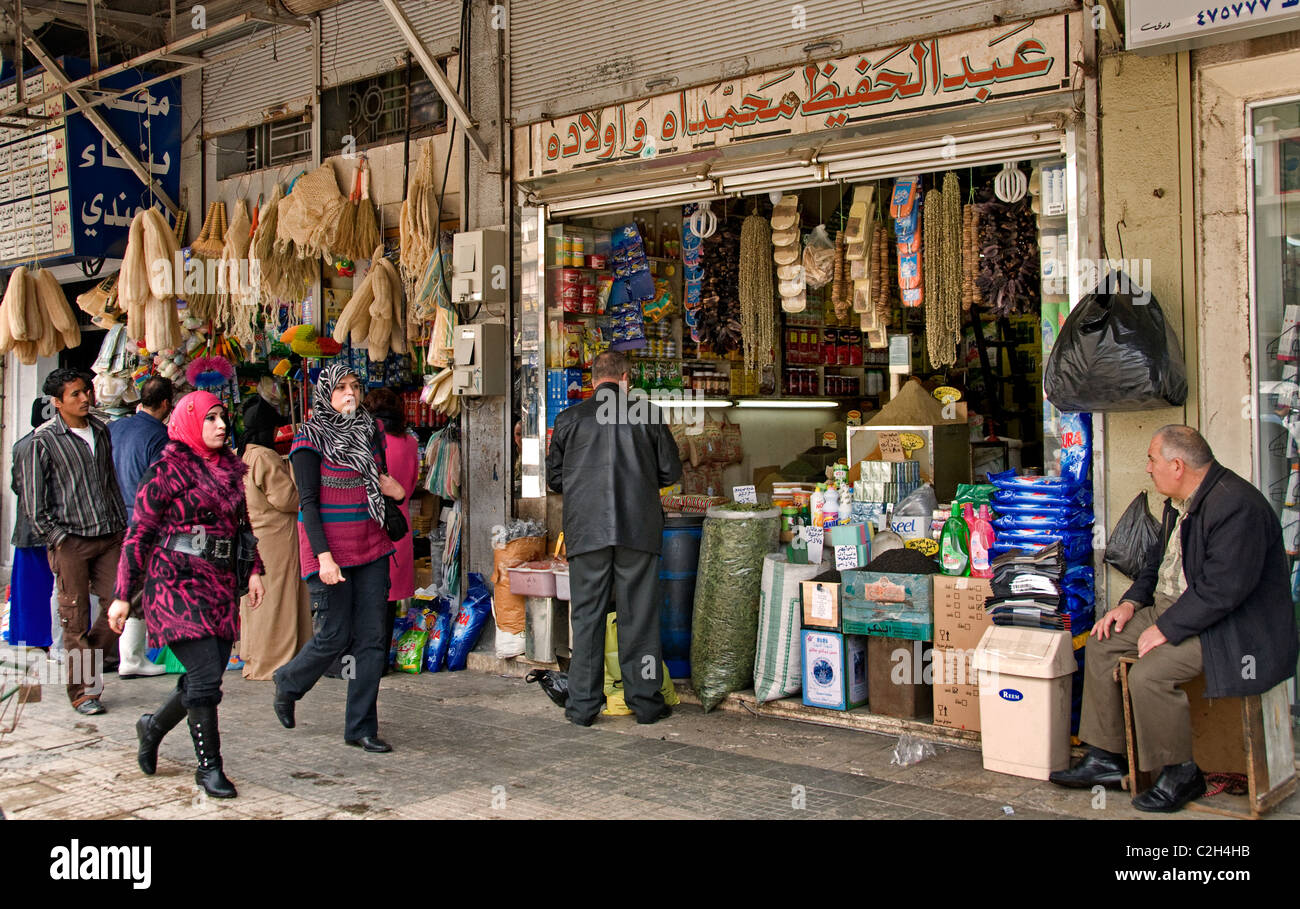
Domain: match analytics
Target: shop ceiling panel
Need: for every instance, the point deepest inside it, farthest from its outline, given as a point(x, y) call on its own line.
point(359, 39)
point(568, 56)
point(254, 86)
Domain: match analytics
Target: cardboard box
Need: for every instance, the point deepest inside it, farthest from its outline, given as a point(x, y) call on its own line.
point(959, 616)
point(834, 670)
point(956, 689)
point(898, 677)
point(821, 604)
point(887, 605)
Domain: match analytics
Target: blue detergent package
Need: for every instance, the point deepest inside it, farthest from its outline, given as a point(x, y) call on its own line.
point(473, 614)
point(1076, 447)
point(439, 625)
point(1043, 520)
point(1076, 545)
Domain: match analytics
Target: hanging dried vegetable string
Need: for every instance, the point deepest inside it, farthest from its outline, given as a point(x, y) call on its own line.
point(757, 313)
point(950, 263)
point(931, 219)
point(1009, 278)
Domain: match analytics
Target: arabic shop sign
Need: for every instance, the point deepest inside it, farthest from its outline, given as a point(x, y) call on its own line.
point(1165, 26)
point(964, 69)
point(64, 191)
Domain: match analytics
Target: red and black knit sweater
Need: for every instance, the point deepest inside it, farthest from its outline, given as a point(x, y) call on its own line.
point(186, 597)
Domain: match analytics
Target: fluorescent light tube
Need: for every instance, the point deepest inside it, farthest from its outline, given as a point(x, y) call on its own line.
point(789, 404)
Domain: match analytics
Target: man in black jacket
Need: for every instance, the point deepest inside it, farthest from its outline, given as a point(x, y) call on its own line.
point(1214, 596)
point(610, 456)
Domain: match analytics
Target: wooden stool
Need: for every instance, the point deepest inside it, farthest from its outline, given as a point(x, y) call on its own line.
point(1250, 735)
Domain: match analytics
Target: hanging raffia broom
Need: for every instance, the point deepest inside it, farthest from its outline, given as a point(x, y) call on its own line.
point(347, 225)
point(207, 248)
point(366, 235)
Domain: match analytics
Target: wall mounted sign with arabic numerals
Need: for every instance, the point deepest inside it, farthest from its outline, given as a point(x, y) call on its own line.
point(64, 192)
point(1166, 26)
point(969, 68)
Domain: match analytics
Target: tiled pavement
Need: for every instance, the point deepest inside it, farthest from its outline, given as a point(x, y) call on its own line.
point(472, 745)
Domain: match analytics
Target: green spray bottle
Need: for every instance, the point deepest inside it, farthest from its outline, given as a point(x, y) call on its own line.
point(954, 545)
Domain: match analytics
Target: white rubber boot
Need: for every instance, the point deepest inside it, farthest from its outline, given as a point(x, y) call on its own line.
point(130, 647)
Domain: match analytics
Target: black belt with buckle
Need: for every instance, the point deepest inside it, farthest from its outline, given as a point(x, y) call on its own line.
point(214, 549)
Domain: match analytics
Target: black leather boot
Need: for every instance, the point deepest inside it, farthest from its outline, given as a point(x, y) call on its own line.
point(1098, 768)
point(151, 728)
point(207, 747)
point(1178, 784)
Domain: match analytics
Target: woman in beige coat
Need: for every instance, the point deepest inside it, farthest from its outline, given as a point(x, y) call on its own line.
point(274, 632)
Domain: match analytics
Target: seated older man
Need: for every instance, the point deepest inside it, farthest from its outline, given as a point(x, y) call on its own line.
point(1214, 597)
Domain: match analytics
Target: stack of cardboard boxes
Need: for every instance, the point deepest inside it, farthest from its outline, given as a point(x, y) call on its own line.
point(959, 623)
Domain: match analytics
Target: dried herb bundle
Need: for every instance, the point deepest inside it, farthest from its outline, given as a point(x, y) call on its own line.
point(757, 304)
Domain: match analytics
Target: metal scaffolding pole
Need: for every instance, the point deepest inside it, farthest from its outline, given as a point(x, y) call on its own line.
point(436, 75)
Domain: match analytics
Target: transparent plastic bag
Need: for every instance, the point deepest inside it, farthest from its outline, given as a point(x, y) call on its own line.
point(911, 750)
point(818, 258)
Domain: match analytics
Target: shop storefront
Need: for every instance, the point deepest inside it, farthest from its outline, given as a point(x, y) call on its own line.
point(922, 221)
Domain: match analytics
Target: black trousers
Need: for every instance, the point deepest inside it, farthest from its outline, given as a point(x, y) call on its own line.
point(205, 660)
point(353, 610)
point(632, 577)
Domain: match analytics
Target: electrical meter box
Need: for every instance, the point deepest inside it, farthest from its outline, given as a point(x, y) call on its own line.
point(480, 359)
point(480, 266)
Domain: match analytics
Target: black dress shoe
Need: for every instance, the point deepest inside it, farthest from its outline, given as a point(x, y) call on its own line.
point(584, 721)
point(661, 715)
point(1178, 785)
point(283, 709)
point(371, 743)
point(90, 707)
point(1098, 768)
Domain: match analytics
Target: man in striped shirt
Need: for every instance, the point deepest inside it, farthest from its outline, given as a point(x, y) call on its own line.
point(74, 503)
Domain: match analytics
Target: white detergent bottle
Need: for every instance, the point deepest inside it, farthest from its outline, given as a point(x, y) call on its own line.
point(831, 506)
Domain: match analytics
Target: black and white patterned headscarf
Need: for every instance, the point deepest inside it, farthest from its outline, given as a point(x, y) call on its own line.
point(345, 440)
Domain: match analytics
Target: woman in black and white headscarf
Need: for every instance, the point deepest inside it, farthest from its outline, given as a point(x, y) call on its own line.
point(344, 556)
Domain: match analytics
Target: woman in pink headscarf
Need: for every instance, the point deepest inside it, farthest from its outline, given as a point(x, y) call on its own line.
point(181, 550)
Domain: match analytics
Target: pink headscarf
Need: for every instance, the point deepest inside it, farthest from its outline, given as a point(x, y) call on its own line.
point(186, 424)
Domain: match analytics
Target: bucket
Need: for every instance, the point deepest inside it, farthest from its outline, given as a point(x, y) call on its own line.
point(677, 567)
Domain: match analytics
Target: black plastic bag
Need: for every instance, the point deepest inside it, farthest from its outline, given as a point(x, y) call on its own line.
point(555, 684)
point(1134, 538)
point(1116, 352)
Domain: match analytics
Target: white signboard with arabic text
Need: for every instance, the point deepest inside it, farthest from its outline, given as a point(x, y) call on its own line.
point(970, 68)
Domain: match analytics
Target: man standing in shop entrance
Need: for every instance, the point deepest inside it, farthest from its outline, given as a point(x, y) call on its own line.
point(610, 462)
point(1214, 596)
point(74, 504)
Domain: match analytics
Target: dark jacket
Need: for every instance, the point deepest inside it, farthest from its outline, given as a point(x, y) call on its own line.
point(1238, 596)
point(138, 440)
point(186, 597)
point(25, 535)
point(610, 457)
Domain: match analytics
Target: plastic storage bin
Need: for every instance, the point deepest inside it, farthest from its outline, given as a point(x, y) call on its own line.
point(532, 580)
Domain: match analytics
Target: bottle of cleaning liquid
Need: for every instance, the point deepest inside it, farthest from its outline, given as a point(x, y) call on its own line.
point(981, 542)
point(831, 506)
point(815, 503)
point(954, 546)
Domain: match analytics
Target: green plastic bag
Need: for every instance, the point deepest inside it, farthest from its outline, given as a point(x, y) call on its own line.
point(410, 651)
point(614, 703)
point(975, 493)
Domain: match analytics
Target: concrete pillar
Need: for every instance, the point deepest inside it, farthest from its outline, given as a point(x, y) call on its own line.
point(485, 442)
point(1143, 156)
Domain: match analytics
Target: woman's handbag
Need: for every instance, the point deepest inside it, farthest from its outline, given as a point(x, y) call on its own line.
point(394, 521)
